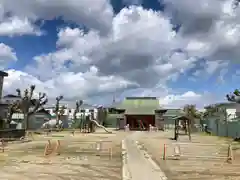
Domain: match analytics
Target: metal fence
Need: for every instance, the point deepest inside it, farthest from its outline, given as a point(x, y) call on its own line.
point(215, 126)
point(220, 128)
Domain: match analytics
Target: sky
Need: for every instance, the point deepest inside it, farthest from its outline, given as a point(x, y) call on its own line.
point(182, 52)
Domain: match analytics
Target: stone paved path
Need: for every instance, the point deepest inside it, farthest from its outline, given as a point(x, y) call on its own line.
point(140, 167)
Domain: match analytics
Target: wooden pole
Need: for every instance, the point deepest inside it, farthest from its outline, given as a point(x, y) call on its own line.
point(230, 154)
point(189, 131)
point(3, 145)
point(110, 152)
point(164, 151)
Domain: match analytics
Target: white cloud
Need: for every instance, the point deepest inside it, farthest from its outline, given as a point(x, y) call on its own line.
point(71, 85)
point(134, 48)
point(94, 14)
point(210, 29)
point(6, 55)
point(189, 97)
point(15, 26)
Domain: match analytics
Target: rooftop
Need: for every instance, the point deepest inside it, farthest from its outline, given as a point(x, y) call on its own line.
point(11, 96)
point(2, 73)
point(173, 112)
point(139, 105)
point(225, 105)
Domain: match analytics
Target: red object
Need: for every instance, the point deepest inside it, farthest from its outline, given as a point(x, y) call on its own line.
point(164, 151)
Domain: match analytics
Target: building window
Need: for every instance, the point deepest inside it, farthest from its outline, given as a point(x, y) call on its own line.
point(5, 114)
point(237, 114)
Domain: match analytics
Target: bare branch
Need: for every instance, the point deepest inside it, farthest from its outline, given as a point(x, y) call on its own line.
point(77, 108)
point(32, 88)
point(42, 103)
point(28, 105)
point(58, 99)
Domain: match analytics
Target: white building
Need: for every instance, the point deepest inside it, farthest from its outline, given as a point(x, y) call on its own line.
point(232, 110)
point(85, 110)
point(10, 98)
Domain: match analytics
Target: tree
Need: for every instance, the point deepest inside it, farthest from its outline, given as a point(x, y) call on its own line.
point(101, 115)
point(77, 109)
point(234, 97)
point(59, 111)
point(29, 105)
point(192, 113)
point(12, 108)
point(209, 111)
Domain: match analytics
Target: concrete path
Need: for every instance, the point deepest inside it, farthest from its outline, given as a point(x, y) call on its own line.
point(139, 164)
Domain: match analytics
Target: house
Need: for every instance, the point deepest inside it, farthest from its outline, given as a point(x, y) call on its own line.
point(10, 98)
point(2, 75)
point(17, 121)
point(139, 113)
point(224, 120)
point(37, 119)
point(85, 110)
point(68, 114)
point(226, 111)
point(3, 105)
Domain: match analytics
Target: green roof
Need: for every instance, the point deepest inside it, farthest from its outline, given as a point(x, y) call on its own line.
point(173, 113)
point(140, 105)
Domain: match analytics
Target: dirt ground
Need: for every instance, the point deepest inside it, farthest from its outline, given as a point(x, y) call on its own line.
point(210, 163)
point(78, 159)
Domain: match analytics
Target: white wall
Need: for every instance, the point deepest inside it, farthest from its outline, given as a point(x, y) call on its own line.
point(87, 112)
point(70, 114)
point(231, 113)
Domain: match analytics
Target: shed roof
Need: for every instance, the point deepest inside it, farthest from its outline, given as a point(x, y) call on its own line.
point(173, 113)
point(181, 117)
point(225, 105)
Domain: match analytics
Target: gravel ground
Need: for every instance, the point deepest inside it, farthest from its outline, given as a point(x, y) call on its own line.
point(78, 158)
point(214, 167)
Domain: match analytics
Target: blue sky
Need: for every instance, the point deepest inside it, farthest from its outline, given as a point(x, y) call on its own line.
point(94, 51)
